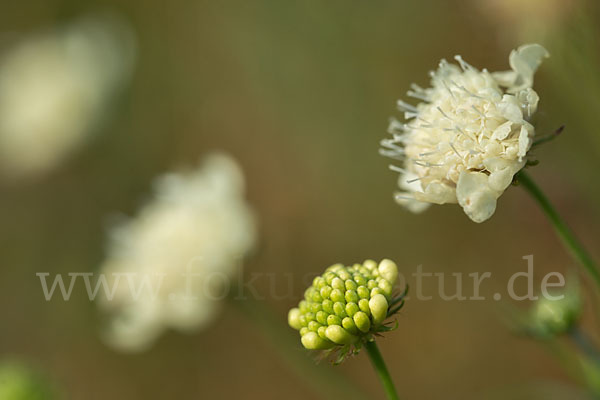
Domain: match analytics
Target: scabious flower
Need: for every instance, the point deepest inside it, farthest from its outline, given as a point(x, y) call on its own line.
point(346, 306)
point(172, 265)
point(468, 137)
point(54, 87)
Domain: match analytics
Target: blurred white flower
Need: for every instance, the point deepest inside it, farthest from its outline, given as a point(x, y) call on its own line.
point(54, 89)
point(180, 254)
point(470, 135)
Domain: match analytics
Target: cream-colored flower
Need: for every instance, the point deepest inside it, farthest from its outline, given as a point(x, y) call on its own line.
point(53, 89)
point(468, 137)
point(179, 254)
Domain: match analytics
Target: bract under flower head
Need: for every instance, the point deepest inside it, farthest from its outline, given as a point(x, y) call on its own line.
point(468, 138)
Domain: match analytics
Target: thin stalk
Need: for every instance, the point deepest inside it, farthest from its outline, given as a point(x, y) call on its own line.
point(562, 230)
point(381, 369)
point(585, 344)
point(323, 379)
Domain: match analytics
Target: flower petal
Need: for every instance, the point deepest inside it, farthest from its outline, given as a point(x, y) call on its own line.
point(475, 196)
point(501, 132)
point(525, 61)
point(524, 141)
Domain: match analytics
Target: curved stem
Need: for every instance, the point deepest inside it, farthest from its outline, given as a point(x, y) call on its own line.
point(381, 369)
point(561, 228)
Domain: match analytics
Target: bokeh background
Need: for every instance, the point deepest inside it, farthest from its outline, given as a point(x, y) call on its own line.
point(300, 93)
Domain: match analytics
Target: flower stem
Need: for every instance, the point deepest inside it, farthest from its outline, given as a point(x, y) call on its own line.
point(585, 344)
point(562, 230)
point(325, 382)
point(381, 369)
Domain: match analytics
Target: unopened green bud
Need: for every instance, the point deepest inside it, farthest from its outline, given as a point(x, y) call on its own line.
point(351, 309)
point(363, 304)
point(322, 317)
point(371, 284)
point(338, 283)
point(363, 292)
point(303, 320)
point(379, 308)
point(325, 292)
point(555, 317)
point(304, 331)
point(294, 318)
point(327, 306)
point(312, 341)
point(329, 277)
point(375, 291)
point(360, 280)
point(316, 297)
point(339, 335)
point(350, 285)
point(304, 306)
point(348, 324)
point(388, 270)
point(308, 294)
point(335, 267)
point(339, 309)
point(309, 317)
point(344, 275)
point(351, 296)
point(337, 295)
point(313, 326)
point(362, 321)
point(319, 282)
point(321, 332)
point(334, 320)
point(386, 287)
point(370, 265)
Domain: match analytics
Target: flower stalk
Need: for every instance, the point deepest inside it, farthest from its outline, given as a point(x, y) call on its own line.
point(381, 369)
point(324, 382)
point(562, 230)
point(584, 344)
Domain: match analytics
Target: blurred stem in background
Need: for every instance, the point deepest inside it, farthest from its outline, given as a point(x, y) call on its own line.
point(381, 369)
point(578, 366)
point(562, 230)
point(325, 382)
point(584, 344)
point(585, 364)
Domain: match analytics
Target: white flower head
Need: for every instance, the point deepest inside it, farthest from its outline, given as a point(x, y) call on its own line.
point(468, 137)
point(172, 265)
point(55, 86)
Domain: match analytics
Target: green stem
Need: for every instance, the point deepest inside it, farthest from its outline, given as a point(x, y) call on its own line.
point(561, 228)
point(585, 344)
point(325, 382)
point(381, 369)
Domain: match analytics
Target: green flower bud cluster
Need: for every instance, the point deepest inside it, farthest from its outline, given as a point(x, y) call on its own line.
point(345, 304)
point(554, 317)
point(18, 382)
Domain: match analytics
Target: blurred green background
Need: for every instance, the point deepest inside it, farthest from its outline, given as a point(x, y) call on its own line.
point(300, 93)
